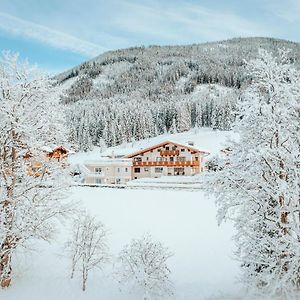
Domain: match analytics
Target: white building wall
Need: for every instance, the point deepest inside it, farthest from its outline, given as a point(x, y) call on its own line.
point(113, 171)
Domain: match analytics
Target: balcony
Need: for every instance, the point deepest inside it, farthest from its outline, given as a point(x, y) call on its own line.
point(169, 152)
point(189, 163)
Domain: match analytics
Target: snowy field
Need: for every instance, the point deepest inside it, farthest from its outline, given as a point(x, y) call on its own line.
point(183, 219)
point(202, 266)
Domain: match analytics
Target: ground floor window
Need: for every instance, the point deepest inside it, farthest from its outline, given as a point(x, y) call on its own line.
point(179, 171)
point(159, 170)
point(98, 180)
point(137, 170)
point(98, 170)
point(118, 181)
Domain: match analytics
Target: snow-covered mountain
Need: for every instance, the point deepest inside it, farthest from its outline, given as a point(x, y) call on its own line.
point(140, 92)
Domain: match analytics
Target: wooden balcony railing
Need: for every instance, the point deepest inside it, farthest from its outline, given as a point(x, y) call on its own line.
point(169, 152)
point(188, 163)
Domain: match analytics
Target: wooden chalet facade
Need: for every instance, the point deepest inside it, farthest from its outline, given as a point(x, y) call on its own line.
point(58, 153)
point(37, 166)
point(167, 159)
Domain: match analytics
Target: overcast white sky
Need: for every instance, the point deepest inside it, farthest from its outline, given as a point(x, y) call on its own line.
point(57, 34)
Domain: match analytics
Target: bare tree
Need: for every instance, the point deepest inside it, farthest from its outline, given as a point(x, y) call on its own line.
point(30, 117)
point(143, 265)
point(88, 246)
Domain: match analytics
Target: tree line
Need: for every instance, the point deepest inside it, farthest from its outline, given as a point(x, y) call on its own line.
point(144, 91)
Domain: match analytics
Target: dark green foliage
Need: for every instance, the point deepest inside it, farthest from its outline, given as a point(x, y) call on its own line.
point(160, 84)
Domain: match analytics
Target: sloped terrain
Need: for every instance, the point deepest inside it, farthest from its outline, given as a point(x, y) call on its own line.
point(136, 93)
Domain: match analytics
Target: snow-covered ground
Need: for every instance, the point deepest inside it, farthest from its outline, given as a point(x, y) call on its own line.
point(201, 267)
point(184, 220)
point(189, 183)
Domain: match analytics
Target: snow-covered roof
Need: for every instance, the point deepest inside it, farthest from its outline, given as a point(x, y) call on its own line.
point(47, 149)
point(206, 139)
point(187, 146)
point(112, 161)
point(52, 148)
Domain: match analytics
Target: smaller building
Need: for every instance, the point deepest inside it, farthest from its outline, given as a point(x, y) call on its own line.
point(36, 166)
point(58, 153)
point(108, 171)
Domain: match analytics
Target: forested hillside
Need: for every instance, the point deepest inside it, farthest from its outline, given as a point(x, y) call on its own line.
point(142, 92)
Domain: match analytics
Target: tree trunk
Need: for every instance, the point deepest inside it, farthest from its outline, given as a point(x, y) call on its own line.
point(72, 272)
point(5, 264)
point(6, 206)
point(84, 279)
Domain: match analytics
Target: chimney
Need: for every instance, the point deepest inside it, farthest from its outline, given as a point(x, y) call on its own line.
point(191, 143)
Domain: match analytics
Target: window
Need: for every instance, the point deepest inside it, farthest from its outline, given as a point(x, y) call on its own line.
point(137, 159)
point(167, 148)
point(118, 181)
point(182, 150)
point(174, 148)
point(126, 170)
point(146, 169)
point(159, 158)
point(137, 170)
point(118, 170)
point(196, 158)
point(171, 158)
point(178, 171)
point(181, 158)
point(158, 150)
point(158, 170)
point(98, 181)
point(98, 170)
